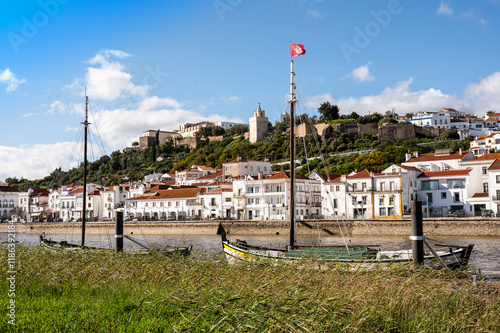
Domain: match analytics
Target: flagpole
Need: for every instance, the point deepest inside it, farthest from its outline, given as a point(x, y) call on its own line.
point(292, 157)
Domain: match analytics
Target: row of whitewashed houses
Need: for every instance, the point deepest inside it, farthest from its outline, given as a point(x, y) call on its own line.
point(248, 189)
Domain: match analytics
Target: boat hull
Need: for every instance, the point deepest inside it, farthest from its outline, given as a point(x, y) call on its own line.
point(453, 258)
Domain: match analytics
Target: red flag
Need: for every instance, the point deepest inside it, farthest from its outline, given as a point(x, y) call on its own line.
point(296, 49)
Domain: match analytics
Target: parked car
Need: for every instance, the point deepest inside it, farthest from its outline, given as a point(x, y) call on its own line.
point(488, 213)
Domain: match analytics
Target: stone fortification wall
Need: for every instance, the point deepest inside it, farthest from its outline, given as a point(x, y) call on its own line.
point(399, 131)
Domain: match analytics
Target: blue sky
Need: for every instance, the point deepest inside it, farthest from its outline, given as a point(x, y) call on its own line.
point(157, 64)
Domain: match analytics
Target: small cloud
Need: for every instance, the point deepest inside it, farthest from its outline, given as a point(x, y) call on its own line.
point(27, 115)
point(445, 9)
point(318, 78)
point(315, 15)
point(231, 99)
point(362, 74)
point(56, 106)
point(468, 15)
point(10, 79)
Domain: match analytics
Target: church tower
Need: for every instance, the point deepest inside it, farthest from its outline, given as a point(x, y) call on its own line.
point(258, 125)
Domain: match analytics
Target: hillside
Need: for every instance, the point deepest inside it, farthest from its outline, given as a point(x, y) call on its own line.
point(166, 158)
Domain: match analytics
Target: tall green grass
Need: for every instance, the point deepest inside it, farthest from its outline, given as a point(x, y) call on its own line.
point(120, 292)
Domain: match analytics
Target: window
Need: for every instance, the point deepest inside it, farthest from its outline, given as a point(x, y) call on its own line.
point(335, 204)
point(485, 187)
point(391, 186)
point(354, 187)
point(363, 187)
point(390, 211)
point(249, 189)
point(430, 185)
point(250, 201)
point(228, 199)
point(337, 187)
point(443, 195)
point(429, 197)
point(257, 189)
point(485, 170)
point(391, 200)
point(381, 200)
point(354, 201)
point(382, 186)
point(364, 199)
point(212, 202)
point(256, 201)
point(456, 196)
point(258, 168)
point(456, 183)
point(498, 179)
point(382, 212)
point(11, 204)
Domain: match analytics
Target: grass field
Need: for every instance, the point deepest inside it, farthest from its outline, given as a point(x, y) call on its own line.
point(120, 292)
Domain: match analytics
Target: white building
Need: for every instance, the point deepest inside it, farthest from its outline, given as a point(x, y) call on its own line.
point(442, 191)
point(438, 119)
point(9, 200)
point(243, 167)
point(165, 204)
point(268, 198)
point(441, 160)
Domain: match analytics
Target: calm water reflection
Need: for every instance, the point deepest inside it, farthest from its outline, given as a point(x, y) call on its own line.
point(486, 254)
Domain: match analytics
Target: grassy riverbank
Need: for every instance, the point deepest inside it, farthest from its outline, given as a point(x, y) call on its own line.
point(94, 292)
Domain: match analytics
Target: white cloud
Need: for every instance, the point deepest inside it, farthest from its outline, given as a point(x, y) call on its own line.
point(485, 95)
point(124, 126)
point(56, 106)
point(27, 115)
point(445, 9)
point(33, 162)
point(468, 15)
point(109, 81)
point(399, 97)
point(231, 99)
point(362, 74)
point(314, 14)
point(10, 79)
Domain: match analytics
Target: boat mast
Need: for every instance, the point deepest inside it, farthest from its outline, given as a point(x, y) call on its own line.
point(85, 126)
point(292, 157)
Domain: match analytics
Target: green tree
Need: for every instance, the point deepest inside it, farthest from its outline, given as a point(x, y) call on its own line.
point(328, 111)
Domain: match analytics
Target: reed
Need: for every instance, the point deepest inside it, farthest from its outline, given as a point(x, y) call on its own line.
point(120, 292)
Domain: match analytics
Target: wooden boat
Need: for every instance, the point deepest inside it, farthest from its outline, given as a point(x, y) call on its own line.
point(348, 256)
point(64, 245)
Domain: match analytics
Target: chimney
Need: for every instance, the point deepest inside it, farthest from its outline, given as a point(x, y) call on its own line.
point(415, 154)
point(460, 151)
point(239, 159)
point(408, 156)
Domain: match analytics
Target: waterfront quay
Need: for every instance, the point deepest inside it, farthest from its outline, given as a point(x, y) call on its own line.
point(396, 227)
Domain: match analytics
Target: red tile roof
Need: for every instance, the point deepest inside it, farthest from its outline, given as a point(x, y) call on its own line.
point(434, 157)
point(284, 174)
point(182, 193)
point(211, 175)
point(481, 195)
point(362, 174)
point(445, 173)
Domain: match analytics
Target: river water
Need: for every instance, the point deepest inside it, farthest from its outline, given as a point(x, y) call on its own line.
point(485, 256)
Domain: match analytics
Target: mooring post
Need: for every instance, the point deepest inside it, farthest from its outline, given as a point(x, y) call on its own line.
point(119, 231)
point(417, 233)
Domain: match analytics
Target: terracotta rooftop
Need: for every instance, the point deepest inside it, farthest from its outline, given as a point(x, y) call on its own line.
point(284, 174)
point(444, 173)
point(181, 193)
point(481, 195)
point(362, 174)
point(434, 157)
point(212, 175)
point(6, 188)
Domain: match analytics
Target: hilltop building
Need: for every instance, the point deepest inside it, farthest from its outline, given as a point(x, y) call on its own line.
point(258, 125)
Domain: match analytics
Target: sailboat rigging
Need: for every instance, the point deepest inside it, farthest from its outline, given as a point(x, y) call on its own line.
point(59, 245)
point(352, 256)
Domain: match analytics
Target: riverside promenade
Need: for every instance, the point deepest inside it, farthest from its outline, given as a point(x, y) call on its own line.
point(397, 227)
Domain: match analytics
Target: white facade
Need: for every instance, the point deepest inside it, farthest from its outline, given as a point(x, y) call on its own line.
point(439, 119)
point(243, 167)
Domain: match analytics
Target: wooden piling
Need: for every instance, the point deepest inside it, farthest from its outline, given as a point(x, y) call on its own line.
point(119, 231)
point(417, 233)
